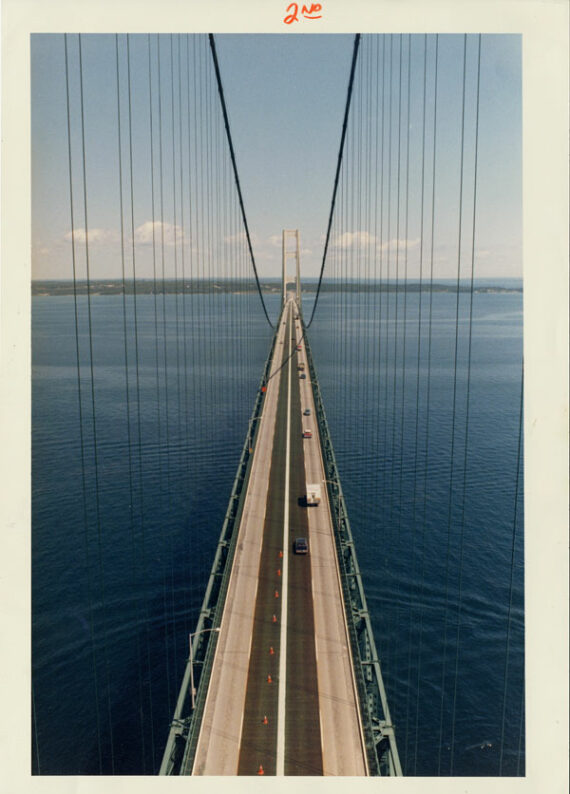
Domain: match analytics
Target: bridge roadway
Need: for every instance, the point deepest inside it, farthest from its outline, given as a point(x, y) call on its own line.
point(282, 695)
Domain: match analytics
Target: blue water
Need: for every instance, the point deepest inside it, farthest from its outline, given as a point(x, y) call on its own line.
point(124, 531)
point(437, 568)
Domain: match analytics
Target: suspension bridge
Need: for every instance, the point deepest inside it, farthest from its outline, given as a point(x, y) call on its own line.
point(276, 662)
point(283, 631)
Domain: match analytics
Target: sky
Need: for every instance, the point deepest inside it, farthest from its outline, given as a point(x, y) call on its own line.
point(286, 97)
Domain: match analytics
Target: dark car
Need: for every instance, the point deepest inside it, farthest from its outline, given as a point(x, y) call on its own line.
point(302, 376)
point(307, 412)
point(301, 546)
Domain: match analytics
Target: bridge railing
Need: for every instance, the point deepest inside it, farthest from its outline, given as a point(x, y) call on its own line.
point(180, 749)
point(379, 736)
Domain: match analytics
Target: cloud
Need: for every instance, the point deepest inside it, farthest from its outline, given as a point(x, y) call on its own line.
point(143, 235)
point(365, 239)
point(240, 237)
point(348, 239)
point(400, 244)
point(95, 236)
point(172, 233)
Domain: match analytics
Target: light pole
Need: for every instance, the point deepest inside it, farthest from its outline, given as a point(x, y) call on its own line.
point(202, 631)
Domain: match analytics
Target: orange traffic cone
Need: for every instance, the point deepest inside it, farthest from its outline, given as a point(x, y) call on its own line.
point(269, 679)
point(277, 594)
point(274, 618)
point(271, 651)
point(280, 554)
point(260, 770)
point(278, 571)
point(265, 721)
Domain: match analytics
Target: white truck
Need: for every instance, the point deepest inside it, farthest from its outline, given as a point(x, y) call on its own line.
point(313, 493)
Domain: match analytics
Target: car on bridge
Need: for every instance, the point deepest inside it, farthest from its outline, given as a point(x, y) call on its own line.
point(307, 412)
point(302, 376)
point(301, 546)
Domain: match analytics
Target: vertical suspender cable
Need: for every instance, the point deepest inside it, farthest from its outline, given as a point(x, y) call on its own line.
point(210, 192)
point(127, 389)
point(377, 263)
point(394, 457)
point(387, 332)
point(155, 289)
point(453, 416)
point(384, 295)
point(511, 587)
point(175, 244)
point(522, 695)
point(428, 376)
point(184, 440)
point(394, 384)
point(155, 317)
point(198, 346)
point(465, 449)
point(201, 197)
point(80, 410)
point(192, 242)
point(364, 285)
point(164, 347)
point(172, 449)
point(381, 292)
point(367, 286)
point(142, 544)
point(418, 370)
point(94, 418)
point(403, 404)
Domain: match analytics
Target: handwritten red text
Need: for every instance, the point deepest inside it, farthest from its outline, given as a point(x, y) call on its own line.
point(309, 12)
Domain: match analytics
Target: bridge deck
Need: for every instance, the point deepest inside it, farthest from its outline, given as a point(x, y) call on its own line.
point(282, 693)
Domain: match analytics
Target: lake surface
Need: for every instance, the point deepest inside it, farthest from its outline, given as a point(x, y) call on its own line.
point(124, 529)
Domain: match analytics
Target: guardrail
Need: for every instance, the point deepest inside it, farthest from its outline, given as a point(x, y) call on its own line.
point(178, 757)
point(379, 736)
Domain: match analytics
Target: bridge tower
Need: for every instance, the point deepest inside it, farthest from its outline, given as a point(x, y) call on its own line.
point(291, 235)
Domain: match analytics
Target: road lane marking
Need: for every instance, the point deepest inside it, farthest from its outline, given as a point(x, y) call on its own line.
point(280, 770)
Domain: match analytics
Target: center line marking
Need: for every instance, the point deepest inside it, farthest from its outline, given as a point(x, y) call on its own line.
point(283, 636)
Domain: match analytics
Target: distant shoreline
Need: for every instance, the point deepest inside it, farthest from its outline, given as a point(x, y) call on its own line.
point(47, 288)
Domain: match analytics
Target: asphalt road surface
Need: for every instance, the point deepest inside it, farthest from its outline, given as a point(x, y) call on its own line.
point(282, 698)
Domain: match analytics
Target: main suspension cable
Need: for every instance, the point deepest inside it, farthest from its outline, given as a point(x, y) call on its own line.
point(232, 154)
point(339, 162)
